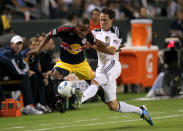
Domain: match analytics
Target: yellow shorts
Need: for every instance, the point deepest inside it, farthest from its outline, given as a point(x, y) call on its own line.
point(81, 70)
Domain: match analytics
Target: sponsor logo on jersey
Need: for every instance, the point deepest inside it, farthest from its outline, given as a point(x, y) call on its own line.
point(73, 49)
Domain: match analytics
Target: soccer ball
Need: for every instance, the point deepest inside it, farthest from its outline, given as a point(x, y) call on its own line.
point(65, 88)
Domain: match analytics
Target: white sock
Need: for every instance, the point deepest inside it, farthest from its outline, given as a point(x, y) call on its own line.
point(89, 92)
point(124, 107)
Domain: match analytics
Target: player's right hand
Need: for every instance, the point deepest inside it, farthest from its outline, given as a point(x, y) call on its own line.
point(87, 45)
point(90, 38)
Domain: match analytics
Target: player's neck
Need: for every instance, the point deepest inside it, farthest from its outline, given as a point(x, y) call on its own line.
point(107, 29)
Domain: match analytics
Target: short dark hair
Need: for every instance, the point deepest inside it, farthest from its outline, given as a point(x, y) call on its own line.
point(109, 12)
point(83, 21)
point(97, 10)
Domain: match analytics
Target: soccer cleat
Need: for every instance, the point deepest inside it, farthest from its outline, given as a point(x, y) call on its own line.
point(145, 115)
point(28, 110)
point(78, 96)
point(41, 107)
point(60, 104)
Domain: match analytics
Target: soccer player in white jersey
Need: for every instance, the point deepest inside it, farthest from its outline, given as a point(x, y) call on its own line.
point(107, 41)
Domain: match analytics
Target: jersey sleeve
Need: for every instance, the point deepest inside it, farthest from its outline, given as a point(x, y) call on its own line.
point(115, 41)
point(54, 32)
point(57, 31)
point(94, 33)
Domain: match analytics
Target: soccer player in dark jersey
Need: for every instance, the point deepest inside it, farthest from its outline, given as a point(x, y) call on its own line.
point(72, 57)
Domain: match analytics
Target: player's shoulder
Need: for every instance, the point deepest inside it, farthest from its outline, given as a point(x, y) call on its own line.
point(97, 30)
point(116, 31)
point(66, 27)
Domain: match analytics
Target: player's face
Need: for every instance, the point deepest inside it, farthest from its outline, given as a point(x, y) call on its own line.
point(105, 21)
point(82, 30)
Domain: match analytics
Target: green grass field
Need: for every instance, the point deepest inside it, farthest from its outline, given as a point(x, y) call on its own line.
point(167, 115)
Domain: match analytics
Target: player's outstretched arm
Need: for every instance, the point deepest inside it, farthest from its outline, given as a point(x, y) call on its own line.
point(43, 43)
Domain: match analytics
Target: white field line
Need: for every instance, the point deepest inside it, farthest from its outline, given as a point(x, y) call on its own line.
point(17, 127)
point(85, 120)
point(113, 117)
point(157, 113)
point(44, 124)
point(103, 123)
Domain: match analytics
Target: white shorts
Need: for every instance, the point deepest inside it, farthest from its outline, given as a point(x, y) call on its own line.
point(106, 76)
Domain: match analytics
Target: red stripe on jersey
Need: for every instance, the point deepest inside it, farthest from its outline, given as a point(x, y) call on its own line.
point(65, 46)
point(65, 28)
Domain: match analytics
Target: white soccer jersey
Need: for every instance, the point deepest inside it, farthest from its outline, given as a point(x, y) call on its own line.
point(111, 37)
point(109, 67)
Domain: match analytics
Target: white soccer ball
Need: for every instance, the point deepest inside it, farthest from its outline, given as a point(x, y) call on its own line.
point(65, 88)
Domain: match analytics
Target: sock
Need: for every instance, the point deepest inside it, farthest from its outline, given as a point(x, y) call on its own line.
point(124, 107)
point(89, 92)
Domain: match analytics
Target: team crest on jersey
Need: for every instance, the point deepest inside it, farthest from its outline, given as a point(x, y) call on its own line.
point(107, 40)
point(73, 49)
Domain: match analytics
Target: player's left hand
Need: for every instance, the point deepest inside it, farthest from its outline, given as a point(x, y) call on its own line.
point(90, 38)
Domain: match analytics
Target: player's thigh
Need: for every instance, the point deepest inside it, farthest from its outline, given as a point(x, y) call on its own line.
point(110, 91)
point(84, 71)
point(61, 69)
point(113, 70)
point(108, 73)
point(101, 77)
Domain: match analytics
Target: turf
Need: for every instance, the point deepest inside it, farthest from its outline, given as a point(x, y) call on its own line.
point(167, 115)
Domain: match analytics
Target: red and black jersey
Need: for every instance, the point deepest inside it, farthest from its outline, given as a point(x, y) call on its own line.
point(71, 50)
